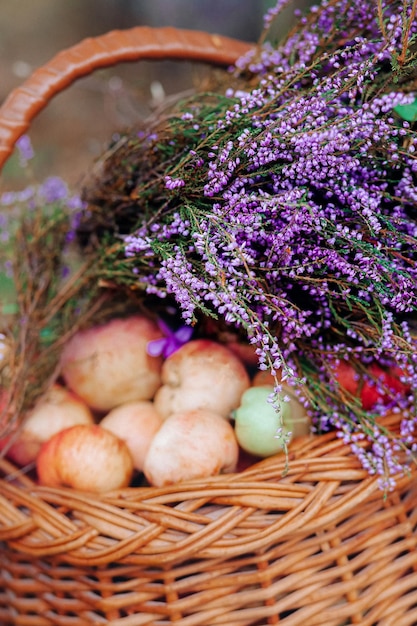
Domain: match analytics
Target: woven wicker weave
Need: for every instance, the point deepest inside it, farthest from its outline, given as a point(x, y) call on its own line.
point(318, 546)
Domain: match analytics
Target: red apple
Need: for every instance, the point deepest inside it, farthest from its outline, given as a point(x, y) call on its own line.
point(373, 388)
point(386, 384)
point(394, 376)
point(346, 376)
point(86, 458)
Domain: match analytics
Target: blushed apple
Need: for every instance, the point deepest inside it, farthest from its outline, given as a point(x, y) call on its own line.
point(59, 408)
point(202, 374)
point(86, 458)
point(136, 423)
point(108, 365)
point(191, 444)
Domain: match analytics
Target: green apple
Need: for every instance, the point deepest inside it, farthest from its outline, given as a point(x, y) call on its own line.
point(262, 427)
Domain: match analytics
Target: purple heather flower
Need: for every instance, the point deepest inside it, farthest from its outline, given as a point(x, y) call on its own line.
point(74, 203)
point(173, 183)
point(301, 214)
point(25, 149)
point(173, 340)
point(53, 189)
point(271, 14)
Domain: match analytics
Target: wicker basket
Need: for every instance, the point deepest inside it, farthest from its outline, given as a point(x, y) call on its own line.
point(318, 546)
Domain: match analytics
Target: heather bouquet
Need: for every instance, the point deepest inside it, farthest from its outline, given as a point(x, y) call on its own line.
point(281, 205)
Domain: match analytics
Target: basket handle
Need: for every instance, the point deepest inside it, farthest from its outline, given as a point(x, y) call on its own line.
point(118, 46)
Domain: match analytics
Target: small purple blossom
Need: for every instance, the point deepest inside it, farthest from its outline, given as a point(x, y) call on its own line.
point(24, 146)
point(173, 340)
point(53, 189)
point(173, 183)
point(271, 14)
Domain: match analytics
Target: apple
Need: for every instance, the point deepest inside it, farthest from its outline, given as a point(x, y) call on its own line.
point(86, 458)
point(135, 423)
point(191, 444)
point(108, 365)
point(264, 378)
point(47, 467)
point(202, 374)
point(246, 352)
point(394, 376)
point(377, 385)
point(383, 385)
point(59, 408)
point(347, 377)
point(261, 426)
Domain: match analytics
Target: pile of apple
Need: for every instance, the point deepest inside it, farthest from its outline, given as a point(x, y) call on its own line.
point(119, 411)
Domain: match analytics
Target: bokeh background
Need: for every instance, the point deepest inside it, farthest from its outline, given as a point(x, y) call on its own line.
point(76, 127)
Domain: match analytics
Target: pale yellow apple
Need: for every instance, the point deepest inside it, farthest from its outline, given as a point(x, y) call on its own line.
point(109, 365)
point(191, 444)
point(135, 423)
point(202, 374)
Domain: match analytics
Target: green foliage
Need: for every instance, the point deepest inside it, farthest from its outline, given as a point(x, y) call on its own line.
point(408, 112)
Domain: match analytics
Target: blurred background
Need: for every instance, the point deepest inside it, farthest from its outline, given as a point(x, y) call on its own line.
point(76, 127)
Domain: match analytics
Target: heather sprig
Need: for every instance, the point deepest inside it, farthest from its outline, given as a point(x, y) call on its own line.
point(46, 290)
